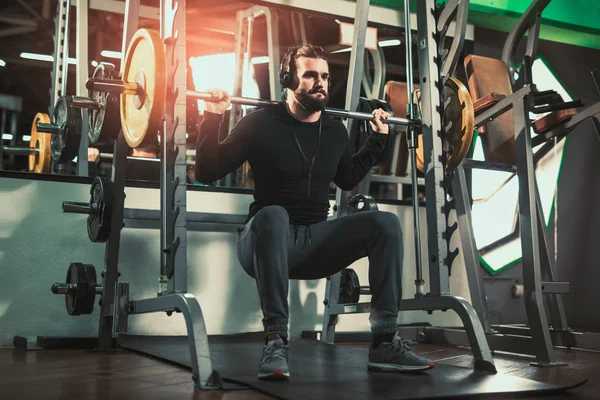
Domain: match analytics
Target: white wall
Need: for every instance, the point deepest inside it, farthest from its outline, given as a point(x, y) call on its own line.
point(38, 242)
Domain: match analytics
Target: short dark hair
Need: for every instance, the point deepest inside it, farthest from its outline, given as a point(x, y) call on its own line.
point(305, 50)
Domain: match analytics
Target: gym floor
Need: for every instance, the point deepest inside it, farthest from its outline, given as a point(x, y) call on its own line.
point(83, 374)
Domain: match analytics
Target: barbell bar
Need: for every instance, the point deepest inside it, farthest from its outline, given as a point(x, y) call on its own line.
point(135, 89)
point(107, 156)
point(332, 111)
point(69, 288)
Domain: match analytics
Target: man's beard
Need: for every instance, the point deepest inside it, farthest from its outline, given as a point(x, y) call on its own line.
point(309, 103)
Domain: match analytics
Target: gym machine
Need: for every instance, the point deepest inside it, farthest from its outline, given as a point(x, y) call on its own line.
point(539, 271)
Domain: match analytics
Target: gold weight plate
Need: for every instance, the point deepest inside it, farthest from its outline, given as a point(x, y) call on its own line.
point(39, 162)
point(461, 113)
point(145, 63)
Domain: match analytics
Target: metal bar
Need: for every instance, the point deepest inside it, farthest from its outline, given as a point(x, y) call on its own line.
point(451, 60)
point(119, 7)
point(174, 168)
point(74, 207)
point(119, 166)
point(65, 288)
point(523, 24)
point(81, 75)
point(412, 144)
point(533, 37)
point(47, 128)
point(187, 304)
point(432, 131)
point(554, 303)
point(472, 325)
point(563, 129)
point(469, 248)
point(332, 288)
point(273, 48)
point(141, 214)
point(532, 281)
point(354, 308)
point(111, 256)
point(565, 105)
point(476, 164)
point(395, 179)
point(65, 54)
point(131, 19)
point(19, 150)
point(557, 288)
point(121, 307)
point(114, 86)
point(85, 102)
point(501, 107)
point(59, 86)
point(344, 9)
point(331, 111)
point(132, 88)
point(109, 156)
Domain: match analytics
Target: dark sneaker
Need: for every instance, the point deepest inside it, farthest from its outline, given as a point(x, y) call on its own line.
point(274, 362)
point(396, 356)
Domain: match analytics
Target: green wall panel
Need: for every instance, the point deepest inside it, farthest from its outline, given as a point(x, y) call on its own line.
point(575, 22)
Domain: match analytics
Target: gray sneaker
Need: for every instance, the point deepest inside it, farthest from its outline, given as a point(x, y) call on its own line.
point(274, 362)
point(396, 356)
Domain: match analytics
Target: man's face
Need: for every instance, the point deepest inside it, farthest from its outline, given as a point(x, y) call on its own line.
point(312, 91)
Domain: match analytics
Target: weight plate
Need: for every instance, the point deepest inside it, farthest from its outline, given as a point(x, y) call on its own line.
point(104, 122)
point(360, 202)
point(145, 63)
point(76, 298)
point(39, 161)
point(459, 115)
point(101, 202)
point(349, 287)
point(91, 289)
point(65, 142)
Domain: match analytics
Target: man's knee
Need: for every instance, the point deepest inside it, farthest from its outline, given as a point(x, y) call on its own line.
point(273, 219)
point(387, 223)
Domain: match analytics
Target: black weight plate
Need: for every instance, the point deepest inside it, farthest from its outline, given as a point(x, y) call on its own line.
point(361, 202)
point(101, 202)
point(91, 289)
point(75, 300)
point(65, 143)
point(349, 287)
point(105, 122)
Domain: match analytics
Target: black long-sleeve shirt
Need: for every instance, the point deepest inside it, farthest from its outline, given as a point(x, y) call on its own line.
point(266, 138)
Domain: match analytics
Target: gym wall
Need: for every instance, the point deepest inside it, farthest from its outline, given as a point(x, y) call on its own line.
point(578, 217)
point(38, 242)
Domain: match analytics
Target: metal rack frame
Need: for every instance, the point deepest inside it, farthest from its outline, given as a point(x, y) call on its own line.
point(432, 80)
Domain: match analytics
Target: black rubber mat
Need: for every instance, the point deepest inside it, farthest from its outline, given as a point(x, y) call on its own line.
point(320, 371)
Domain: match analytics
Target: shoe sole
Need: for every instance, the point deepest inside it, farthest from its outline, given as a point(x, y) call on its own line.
point(276, 375)
point(399, 368)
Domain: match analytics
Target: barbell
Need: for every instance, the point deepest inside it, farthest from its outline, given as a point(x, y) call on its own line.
point(80, 289)
point(141, 99)
point(41, 150)
point(143, 90)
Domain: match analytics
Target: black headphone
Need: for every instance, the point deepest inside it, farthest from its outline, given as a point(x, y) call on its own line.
point(287, 79)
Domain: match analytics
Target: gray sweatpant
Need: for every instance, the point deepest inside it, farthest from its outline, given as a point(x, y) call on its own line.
point(272, 251)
